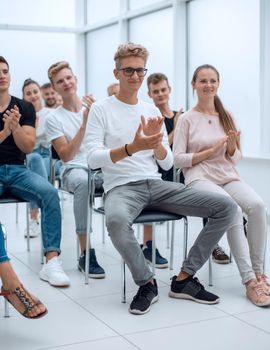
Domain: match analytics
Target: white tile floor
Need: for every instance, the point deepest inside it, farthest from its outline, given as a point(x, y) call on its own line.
point(93, 317)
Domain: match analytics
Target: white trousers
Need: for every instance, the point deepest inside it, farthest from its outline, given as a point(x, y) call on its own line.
point(248, 253)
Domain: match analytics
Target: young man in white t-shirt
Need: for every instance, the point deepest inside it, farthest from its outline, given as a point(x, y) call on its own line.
point(65, 129)
point(126, 138)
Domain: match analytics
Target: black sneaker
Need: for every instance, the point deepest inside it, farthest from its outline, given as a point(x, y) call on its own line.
point(95, 270)
point(161, 263)
point(190, 288)
point(219, 256)
point(146, 295)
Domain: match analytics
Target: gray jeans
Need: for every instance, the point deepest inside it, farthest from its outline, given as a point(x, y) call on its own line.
point(75, 180)
point(124, 203)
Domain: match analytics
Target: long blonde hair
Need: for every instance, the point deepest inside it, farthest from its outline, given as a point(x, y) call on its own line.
point(225, 118)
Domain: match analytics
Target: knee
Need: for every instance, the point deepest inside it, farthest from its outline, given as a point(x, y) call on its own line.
point(116, 223)
point(257, 208)
point(34, 159)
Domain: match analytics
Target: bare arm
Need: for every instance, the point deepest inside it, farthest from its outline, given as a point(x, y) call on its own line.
point(139, 143)
point(67, 150)
point(24, 136)
point(203, 155)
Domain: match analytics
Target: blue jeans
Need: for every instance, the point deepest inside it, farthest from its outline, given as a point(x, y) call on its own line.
point(3, 252)
point(39, 162)
point(24, 183)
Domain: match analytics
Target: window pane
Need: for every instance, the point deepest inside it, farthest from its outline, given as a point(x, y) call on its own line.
point(98, 10)
point(100, 62)
point(225, 33)
point(33, 53)
point(134, 4)
point(38, 12)
point(158, 41)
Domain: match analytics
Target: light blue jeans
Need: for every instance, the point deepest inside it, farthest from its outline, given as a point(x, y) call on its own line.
point(39, 162)
point(24, 183)
point(3, 252)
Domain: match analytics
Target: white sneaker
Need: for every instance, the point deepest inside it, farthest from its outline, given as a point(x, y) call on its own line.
point(34, 229)
point(53, 273)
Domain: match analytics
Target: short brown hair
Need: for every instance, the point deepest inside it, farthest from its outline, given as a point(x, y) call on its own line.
point(3, 60)
point(57, 67)
point(155, 78)
point(46, 86)
point(128, 50)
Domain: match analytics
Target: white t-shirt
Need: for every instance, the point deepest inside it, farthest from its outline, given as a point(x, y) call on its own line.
point(62, 122)
point(41, 137)
point(112, 124)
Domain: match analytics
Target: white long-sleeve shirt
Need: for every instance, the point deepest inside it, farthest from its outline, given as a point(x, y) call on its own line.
point(112, 124)
point(196, 132)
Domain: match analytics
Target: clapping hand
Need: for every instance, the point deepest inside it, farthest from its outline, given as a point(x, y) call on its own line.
point(233, 140)
point(12, 118)
point(87, 102)
point(152, 126)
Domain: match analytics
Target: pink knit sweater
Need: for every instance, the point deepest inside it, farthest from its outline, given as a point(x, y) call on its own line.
point(194, 133)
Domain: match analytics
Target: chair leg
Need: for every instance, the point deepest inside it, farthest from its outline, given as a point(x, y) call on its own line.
point(123, 280)
point(210, 277)
point(6, 302)
point(172, 246)
point(185, 242)
point(27, 228)
point(103, 229)
point(17, 213)
point(138, 231)
point(153, 247)
point(265, 249)
point(168, 234)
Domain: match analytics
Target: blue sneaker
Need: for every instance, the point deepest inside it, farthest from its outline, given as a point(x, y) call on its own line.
point(95, 270)
point(161, 263)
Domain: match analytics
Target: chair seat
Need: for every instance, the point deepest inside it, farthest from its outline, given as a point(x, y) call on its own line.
point(147, 216)
point(6, 199)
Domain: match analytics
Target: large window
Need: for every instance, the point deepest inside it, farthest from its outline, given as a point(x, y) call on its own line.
point(38, 12)
point(100, 63)
point(155, 31)
point(225, 33)
point(98, 10)
point(31, 53)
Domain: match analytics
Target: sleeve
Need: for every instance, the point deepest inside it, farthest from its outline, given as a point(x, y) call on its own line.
point(236, 157)
point(53, 128)
point(98, 155)
point(182, 159)
point(28, 114)
point(167, 162)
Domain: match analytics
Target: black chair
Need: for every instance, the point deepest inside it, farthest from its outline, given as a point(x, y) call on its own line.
point(147, 216)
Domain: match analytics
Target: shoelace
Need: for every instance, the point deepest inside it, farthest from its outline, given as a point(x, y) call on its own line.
point(219, 251)
point(259, 289)
point(196, 281)
point(142, 292)
point(57, 265)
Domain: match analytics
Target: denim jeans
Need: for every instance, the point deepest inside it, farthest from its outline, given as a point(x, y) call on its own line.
point(3, 252)
point(24, 183)
point(39, 162)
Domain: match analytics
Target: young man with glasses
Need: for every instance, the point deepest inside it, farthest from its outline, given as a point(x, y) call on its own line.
point(126, 138)
point(65, 129)
point(18, 134)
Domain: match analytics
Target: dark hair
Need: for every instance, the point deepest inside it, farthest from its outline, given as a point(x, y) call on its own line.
point(28, 82)
point(46, 86)
point(224, 116)
point(155, 78)
point(3, 60)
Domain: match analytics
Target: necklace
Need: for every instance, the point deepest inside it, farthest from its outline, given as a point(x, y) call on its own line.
point(212, 113)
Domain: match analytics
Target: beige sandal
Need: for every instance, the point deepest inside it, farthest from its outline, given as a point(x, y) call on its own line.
point(26, 299)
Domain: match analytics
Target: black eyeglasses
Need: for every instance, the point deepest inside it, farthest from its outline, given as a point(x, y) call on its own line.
point(128, 72)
